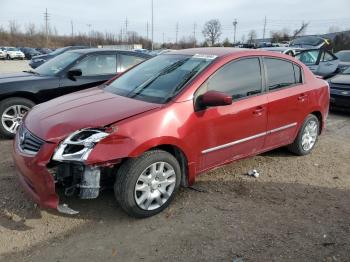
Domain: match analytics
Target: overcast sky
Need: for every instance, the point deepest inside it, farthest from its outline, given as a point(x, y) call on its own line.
point(110, 15)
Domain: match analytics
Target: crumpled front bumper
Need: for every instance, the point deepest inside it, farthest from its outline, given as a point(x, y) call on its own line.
point(34, 176)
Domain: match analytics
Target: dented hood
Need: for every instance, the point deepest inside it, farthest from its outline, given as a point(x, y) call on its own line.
point(56, 119)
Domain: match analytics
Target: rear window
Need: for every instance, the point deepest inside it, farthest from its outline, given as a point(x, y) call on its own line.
point(281, 73)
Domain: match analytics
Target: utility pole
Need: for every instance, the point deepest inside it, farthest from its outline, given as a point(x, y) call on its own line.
point(152, 27)
point(235, 22)
point(126, 29)
point(72, 27)
point(89, 25)
point(177, 32)
point(264, 31)
point(194, 34)
point(147, 29)
point(46, 18)
point(163, 38)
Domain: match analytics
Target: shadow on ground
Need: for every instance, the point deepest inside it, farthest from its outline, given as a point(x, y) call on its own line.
point(221, 221)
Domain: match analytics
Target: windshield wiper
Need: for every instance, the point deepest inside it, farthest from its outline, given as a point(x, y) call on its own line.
point(31, 72)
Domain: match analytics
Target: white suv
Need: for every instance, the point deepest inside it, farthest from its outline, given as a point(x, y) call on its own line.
point(2, 53)
point(14, 53)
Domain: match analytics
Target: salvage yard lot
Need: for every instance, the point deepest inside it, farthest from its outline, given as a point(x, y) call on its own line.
point(297, 210)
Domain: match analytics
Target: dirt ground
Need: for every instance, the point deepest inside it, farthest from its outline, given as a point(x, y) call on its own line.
point(297, 210)
point(9, 66)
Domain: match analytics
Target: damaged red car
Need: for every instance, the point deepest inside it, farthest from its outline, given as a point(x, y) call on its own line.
point(160, 124)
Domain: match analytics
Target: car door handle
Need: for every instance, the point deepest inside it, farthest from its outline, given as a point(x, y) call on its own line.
point(302, 97)
point(258, 111)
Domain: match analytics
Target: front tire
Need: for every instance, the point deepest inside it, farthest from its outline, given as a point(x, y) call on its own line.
point(146, 185)
point(307, 136)
point(12, 111)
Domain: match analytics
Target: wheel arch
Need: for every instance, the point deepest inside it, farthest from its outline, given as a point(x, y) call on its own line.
point(180, 157)
point(319, 116)
point(25, 95)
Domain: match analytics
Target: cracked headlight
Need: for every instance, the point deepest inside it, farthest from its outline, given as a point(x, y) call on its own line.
point(78, 145)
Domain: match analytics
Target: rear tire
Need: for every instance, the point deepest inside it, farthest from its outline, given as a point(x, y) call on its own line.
point(307, 136)
point(146, 185)
point(12, 111)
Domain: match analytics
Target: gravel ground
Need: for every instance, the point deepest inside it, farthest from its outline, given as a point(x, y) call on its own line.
point(10, 66)
point(297, 210)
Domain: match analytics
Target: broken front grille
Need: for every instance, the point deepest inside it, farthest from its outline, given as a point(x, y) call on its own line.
point(28, 142)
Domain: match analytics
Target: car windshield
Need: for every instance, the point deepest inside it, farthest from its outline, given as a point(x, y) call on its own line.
point(56, 64)
point(159, 79)
point(343, 56)
point(12, 49)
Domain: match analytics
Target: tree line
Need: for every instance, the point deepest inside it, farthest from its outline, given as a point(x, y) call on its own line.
point(30, 35)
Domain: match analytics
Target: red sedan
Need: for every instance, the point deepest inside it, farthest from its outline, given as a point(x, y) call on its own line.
point(165, 121)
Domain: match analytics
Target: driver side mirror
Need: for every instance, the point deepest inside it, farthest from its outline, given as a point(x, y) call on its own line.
point(71, 74)
point(213, 98)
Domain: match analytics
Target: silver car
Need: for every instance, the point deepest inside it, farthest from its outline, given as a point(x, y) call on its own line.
point(320, 61)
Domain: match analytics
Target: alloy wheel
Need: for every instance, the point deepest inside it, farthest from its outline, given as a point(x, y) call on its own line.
point(309, 136)
point(12, 117)
point(155, 186)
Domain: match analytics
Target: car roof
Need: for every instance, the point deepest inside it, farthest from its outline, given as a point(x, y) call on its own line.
point(217, 51)
point(99, 50)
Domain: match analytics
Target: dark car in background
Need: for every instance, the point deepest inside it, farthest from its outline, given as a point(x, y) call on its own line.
point(344, 59)
point(66, 73)
point(40, 59)
point(340, 90)
point(310, 42)
point(44, 50)
point(29, 52)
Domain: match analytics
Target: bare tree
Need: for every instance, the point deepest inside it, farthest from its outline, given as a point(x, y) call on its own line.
point(301, 30)
point(30, 29)
point(212, 31)
point(279, 36)
point(14, 27)
point(252, 35)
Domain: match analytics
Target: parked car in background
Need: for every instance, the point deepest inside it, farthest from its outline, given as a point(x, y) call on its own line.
point(340, 89)
point(163, 122)
point(43, 50)
point(40, 59)
point(14, 53)
point(310, 42)
point(320, 61)
point(344, 59)
point(29, 52)
point(283, 50)
point(2, 53)
point(69, 72)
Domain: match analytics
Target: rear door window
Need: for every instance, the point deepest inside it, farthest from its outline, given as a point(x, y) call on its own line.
point(280, 73)
point(94, 65)
point(128, 61)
